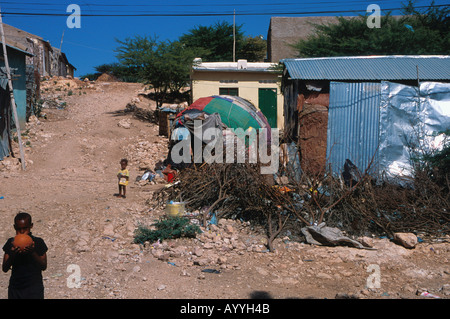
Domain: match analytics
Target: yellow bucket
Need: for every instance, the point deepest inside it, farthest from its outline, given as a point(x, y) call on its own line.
point(175, 209)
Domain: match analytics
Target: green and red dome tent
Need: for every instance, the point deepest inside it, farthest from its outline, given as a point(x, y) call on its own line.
point(235, 112)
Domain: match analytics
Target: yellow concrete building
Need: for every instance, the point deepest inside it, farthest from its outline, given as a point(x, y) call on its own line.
point(256, 82)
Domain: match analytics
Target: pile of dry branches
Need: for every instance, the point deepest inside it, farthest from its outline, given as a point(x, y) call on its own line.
point(233, 191)
point(378, 207)
point(362, 208)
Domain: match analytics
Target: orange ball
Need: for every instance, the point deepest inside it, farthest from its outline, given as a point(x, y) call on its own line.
point(22, 241)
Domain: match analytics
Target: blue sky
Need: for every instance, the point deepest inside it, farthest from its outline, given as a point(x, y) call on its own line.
point(103, 21)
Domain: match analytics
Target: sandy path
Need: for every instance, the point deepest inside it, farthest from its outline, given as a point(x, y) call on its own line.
point(69, 190)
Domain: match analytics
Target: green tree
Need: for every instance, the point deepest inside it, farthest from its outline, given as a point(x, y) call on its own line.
point(121, 72)
point(106, 68)
point(214, 43)
point(163, 65)
point(416, 32)
point(253, 49)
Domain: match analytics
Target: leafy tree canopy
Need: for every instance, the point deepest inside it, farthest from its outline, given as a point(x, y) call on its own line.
point(415, 32)
point(253, 49)
point(163, 65)
point(215, 43)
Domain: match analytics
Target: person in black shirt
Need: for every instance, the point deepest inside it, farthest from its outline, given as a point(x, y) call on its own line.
point(27, 264)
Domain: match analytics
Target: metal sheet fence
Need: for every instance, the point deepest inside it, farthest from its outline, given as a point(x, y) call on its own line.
point(383, 123)
point(353, 125)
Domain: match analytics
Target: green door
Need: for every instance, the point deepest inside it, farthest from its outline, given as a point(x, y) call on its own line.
point(267, 103)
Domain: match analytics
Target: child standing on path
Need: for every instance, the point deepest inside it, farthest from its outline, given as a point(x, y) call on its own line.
point(123, 177)
point(27, 264)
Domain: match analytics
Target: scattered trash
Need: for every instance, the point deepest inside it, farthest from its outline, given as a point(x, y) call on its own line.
point(427, 294)
point(329, 236)
point(283, 189)
point(213, 220)
point(171, 263)
point(293, 165)
point(351, 173)
point(148, 176)
point(61, 105)
point(110, 238)
point(175, 209)
point(2, 197)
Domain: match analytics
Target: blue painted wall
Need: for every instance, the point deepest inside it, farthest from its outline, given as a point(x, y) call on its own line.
point(16, 60)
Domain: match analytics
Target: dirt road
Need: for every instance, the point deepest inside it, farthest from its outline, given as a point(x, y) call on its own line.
point(68, 188)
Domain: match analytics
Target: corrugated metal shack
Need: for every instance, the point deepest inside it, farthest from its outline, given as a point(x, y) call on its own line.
point(337, 108)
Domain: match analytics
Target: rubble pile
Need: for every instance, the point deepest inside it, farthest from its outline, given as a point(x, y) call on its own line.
point(216, 246)
point(32, 132)
point(145, 154)
point(64, 84)
point(105, 77)
point(10, 164)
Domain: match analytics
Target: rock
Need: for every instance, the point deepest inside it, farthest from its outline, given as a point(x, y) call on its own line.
point(446, 289)
point(258, 248)
point(208, 246)
point(201, 262)
point(282, 180)
point(177, 252)
point(201, 276)
point(409, 288)
point(124, 123)
point(184, 273)
point(323, 275)
point(146, 164)
point(82, 247)
point(198, 252)
point(407, 240)
point(229, 229)
point(136, 269)
point(161, 287)
point(238, 245)
point(214, 228)
point(222, 260)
point(109, 230)
point(160, 254)
point(262, 271)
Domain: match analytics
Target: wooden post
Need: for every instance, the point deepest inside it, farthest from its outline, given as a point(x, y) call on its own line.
point(234, 36)
point(13, 101)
